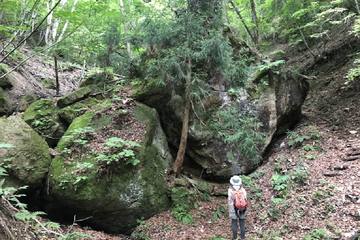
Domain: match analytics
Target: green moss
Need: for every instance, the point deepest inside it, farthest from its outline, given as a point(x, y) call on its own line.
point(98, 77)
point(69, 113)
point(29, 157)
point(127, 192)
point(49, 83)
point(4, 82)
point(42, 116)
point(148, 116)
point(79, 122)
point(4, 102)
point(74, 97)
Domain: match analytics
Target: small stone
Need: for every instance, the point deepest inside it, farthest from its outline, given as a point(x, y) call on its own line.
point(353, 132)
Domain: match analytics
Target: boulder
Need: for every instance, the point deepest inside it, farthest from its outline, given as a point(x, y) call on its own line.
point(42, 115)
point(275, 109)
point(74, 97)
point(69, 113)
point(94, 177)
point(5, 82)
point(98, 78)
point(23, 152)
point(4, 102)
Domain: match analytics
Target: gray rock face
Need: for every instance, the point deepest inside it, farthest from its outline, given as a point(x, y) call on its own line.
point(277, 108)
point(116, 193)
point(25, 153)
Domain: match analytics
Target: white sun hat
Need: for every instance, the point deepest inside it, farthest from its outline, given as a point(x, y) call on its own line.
point(235, 181)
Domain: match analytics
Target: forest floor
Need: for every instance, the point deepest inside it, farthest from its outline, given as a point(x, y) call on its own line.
point(321, 189)
point(321, 193)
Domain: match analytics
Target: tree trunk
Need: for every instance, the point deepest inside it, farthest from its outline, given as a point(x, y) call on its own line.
point(255, 20)
point(237, 11)
point(125, 28)
point(56, 76)
point(179, 161)
point(49, 5)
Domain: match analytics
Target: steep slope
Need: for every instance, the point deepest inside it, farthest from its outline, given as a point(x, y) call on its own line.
point(309, 188)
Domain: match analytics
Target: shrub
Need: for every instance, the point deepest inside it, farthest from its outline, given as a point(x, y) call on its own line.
point(280, 183)
point(183, 201)
point(116, 150)
point(300, 175)
point(317, 234)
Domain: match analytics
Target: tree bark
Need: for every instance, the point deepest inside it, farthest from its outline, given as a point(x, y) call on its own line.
point(255, 20)
point(56, 76)
point(237, 11)
point(179, 161)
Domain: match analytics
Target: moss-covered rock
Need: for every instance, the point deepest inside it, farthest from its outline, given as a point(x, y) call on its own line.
point(117, 194)
point(43, 116)
point(69, 113)
point(4, 102)
point(25, 152)
point(98, 78)
point(74, 97)
point(5, 82)
point(217, 152)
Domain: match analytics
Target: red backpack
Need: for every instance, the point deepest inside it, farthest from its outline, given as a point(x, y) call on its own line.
point(240, 202)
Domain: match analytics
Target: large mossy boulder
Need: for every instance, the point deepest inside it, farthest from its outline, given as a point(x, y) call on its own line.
point(211, 142)
point(4, 103)
point(112, 168)
point(23, 152)
point(42, 115)
point(74, 97)
point(5, 82)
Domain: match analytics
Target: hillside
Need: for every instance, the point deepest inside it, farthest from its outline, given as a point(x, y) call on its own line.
point(128, 119)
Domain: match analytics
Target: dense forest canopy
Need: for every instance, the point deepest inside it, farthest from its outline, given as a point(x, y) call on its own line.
point(111, 33)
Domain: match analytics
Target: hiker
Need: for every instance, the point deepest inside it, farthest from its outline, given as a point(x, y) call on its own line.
point(237, 201)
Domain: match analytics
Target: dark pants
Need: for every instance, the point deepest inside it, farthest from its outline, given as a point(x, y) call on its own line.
point(235, 225)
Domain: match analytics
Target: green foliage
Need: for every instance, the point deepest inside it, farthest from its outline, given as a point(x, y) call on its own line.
point(296, 139)
point(117, 150)
point(317, 234)
point(218, 213)
point(280, 183)
point(181, 214)
point(300, 175)
point(217, 238)
point(74, 236)
point(276, 209)
point(354, 73)
point(242, 131)
point(26, 216)
point(183, 201)
point(253, 188)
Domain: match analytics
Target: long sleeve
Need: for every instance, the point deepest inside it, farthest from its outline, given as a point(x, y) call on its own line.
point(232, 214)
